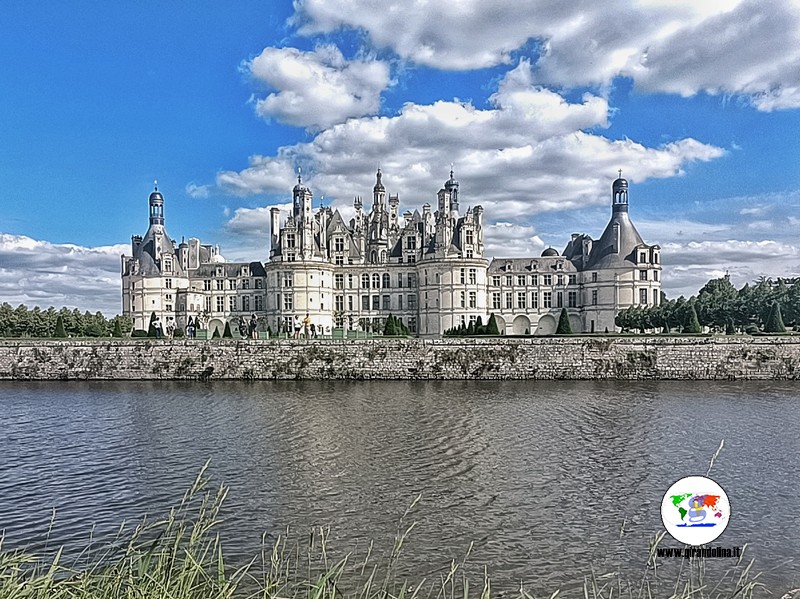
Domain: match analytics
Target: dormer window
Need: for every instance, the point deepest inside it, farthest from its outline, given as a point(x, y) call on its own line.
point(642, 256)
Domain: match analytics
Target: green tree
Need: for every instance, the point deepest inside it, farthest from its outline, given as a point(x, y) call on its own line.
point(216, 333)
point(60, 332)
point(470, 328)
point(491, 327)
point(227, 332)
point(390, 328)
point(480, 329)
point(692, 322)
point(730, 329)
point(774, 322)
point(564, 327)
point(716, 302)
point(151, 329)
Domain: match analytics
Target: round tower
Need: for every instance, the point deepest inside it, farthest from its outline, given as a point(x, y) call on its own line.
point(156, 206)
point(619, 195)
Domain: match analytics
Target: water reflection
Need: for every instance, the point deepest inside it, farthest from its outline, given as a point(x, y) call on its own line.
point(541, 477)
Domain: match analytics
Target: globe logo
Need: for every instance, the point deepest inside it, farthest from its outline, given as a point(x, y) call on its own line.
point(695, 510)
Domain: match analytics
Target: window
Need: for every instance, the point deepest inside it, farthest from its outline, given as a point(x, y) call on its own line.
point(594, 277)
point(559, 300)
point(169, 307)
point(468, 238)
point(365, 302)
point(655, 297)
point(232, 303)
point(288, 279)
point(400, 280)
point(655, 258)
point(259, 301)
point(412, 279)
point(560, 280)
point(208, 302)
point(168, 265)
point(400, 302)
point(376, 302)
point(412, 302)
point(535, 300)
point(463, 302)
point(386, 280)
point(547, 299)
point(207, 286)
point(245, 303)
point(547, 279)
point(572, 299)
point(376, 281)
point(495, 300)
point(365, 281)
point(473, 276)
point(521, 280)
point(642, 275)
point(412, 324)
point(534, 279)
point(508, 281)
point(350, 302)
point(259, 284)
point(220, 303)
point(411, 242)
point(521, 297)
point(245, 283)
point(338, 260)
point(338, 281)
point(572, 279)
point(168, 283)
point(288, 302)
point(509, 301)
point(290, 257)
point(594, 297)
point(220, 284)
point(338, 244)
point(495, 281)
point(338, 303)
point(411, 259)
point(642, 256)
point(290, 240)
point(387, 302)
point(462, 279)
point(643, 296)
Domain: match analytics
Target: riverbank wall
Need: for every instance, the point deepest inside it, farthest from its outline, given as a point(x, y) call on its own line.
point(622, 358)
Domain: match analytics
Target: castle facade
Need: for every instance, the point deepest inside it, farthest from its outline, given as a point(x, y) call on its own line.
point(427, 269)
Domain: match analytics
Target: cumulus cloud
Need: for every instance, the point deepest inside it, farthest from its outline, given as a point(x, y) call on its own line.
point(508, 240)
point(745, 47)
point(317, 89)
point(530, 151)
point(198, 191)
point(40, 273)
point(688, 266)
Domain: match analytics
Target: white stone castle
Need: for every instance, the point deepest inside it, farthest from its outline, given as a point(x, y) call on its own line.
point(427, 269)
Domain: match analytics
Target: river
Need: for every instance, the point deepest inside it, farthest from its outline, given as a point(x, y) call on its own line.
point(549, 480)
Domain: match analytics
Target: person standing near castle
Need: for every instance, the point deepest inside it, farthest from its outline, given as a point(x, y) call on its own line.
point(253, 326)
point(297, 326)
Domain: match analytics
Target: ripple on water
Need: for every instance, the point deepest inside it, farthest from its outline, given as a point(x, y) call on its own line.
point(540, 476)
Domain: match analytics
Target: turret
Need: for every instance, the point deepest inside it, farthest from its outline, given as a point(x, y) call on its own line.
point(619, 195)
point(378, 194)
point(156, 206)
point(451, 187)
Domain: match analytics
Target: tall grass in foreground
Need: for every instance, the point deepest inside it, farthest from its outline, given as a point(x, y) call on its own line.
point(181, 557)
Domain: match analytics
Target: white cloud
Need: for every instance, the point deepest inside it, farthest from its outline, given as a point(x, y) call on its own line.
point(40, 273)
point(747, 47)
point(509, 240)
point(198, 191)
point(317, 89)
point(530, 151)
point(688, 266)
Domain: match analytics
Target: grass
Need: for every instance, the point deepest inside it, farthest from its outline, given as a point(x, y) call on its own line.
point(181, 557)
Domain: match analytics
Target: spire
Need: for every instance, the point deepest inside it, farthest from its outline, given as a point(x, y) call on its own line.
point(155, 184)
point(378, 182)
point(156, 202)
point(619, 194)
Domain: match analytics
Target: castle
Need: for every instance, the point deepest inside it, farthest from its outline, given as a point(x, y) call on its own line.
point(427, 269)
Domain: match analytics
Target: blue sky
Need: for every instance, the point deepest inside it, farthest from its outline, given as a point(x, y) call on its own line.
point(536, 103)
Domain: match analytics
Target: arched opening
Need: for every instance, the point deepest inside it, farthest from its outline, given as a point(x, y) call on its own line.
point(546, 325)
point(501, 324)
point(521, 325)
point(575, 323)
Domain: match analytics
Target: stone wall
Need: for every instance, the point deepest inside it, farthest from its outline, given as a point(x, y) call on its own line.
point(480, 358)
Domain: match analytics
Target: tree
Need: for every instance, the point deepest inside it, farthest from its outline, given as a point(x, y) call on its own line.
point(390, 329)
point(692, 323)
point(774, 322)
point(479, 328)
point(471, 328)
point(716, 302)
point(564, 327)
point(730, 329)
point(151, 330)
point(227, 333)
point(216, 333)
point(60, 332)
point(491, 327)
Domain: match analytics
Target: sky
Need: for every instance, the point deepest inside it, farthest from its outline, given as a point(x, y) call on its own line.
point(536, 103)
